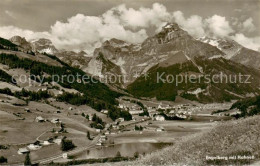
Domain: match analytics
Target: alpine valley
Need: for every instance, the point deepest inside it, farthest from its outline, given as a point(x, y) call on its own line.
point(57, 121)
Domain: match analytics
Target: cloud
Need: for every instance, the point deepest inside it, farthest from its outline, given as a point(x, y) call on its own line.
point(194, 24)
point(218, 26)
point(248, 25)
point(9, 31)
point(143, 17)
point(251, 43)
point(82, 32)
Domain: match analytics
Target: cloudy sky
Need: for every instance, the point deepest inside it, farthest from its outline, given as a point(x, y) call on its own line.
point(85, 24)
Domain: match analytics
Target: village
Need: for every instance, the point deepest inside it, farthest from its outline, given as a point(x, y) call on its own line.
point(52, 122)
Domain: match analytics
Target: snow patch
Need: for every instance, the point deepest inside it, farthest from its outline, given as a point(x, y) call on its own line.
point(215, 56)
point(142, 64)
point(120, 62)
point(46, 50)
point(196, 92)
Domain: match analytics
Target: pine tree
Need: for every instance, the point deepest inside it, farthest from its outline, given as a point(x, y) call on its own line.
point(27, 160)
point(88, 135)
point(118, 154)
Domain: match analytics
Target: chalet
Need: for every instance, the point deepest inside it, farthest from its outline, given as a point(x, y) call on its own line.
point(104, 111)
point(114, 125)
point(23, 151)
point(65, 155)
point(159, 129)
point(135, 112)
point(27, 110)
point(55, 121)
point(120, 120)
point(159, 118)
point(103, 138)
point(34, 147)
point(121, 106)
point(46, 143)
point(99, 143)
point(57, 141)
point(90, 116)
point(39, 119)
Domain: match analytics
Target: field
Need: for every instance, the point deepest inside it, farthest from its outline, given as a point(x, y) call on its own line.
point(19, 128)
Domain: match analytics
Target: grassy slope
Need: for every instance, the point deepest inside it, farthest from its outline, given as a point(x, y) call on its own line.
point(238, 137)
point(217, 92)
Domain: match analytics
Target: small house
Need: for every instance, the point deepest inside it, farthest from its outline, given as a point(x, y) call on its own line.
point(65, 155)
point(159, 118)
point(55, 120)
point(57, 141)
point(23, 151)
point(27, 110)
point(39, 119)
point(159, 129)
point(34, 147)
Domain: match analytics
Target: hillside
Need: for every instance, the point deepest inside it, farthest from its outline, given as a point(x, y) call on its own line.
point(232, 138)
point(202, 90)
point(44, 67)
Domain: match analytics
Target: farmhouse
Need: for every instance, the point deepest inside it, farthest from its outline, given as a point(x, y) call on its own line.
point(34, 147)
point(160, 129)
point(135, 112)
point(120, 120)
point(39, 119)
point(55, 120)
point(23, 151)
point(159, 118)
point(104, 111)
point(27, 110)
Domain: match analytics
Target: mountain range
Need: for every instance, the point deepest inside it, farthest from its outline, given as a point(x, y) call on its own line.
point(172, 51)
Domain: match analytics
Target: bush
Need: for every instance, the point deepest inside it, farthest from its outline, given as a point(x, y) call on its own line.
point(67, 145)
point(3, 159)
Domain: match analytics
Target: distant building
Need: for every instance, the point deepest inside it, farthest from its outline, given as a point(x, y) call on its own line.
point(99, 143)
point(98, 130)
point(55, 120)
point(33, 147)
point(104, 111)
point(120, 120)
point(46, 143)
point(39, 119)
point(135, 112)
point(57, 141)
point(23, 151)
point(65, 155)
point(159, 118)
point(159, 129)
point(27, 110)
